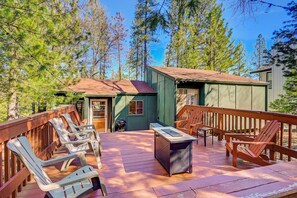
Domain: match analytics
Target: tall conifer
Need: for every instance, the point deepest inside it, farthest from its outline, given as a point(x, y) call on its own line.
point(141, 38)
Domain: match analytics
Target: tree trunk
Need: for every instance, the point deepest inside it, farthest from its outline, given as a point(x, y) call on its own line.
point(13, 110)
point(119, 58)
point(145, 40)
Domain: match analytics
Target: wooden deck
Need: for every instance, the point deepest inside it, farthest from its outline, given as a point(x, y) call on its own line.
point(130, 170)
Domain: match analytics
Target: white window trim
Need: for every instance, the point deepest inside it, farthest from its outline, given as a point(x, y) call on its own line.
point(136, 108)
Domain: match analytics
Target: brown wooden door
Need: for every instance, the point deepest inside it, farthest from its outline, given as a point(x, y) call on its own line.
point(99, 114)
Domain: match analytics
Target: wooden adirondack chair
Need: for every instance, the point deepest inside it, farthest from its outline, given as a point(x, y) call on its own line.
point(253, 152)
point(85, 144)
point(80, 182)
point(192, 123)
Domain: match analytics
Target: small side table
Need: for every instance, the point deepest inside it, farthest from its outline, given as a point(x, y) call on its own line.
point(205, 130)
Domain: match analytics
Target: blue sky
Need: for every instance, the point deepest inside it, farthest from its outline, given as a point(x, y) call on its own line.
point(245, 28)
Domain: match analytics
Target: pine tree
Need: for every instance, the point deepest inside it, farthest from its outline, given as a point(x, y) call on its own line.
point(37, 53)
point(240, 68)
point(99, 41)
point(260, 53)
point(219, 51)
point(202, 40)
point(286, 56)
point(186, 33)
point(141, 37)
point(119, 35)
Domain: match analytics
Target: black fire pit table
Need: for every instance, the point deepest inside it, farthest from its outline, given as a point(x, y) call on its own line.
point(173, 149)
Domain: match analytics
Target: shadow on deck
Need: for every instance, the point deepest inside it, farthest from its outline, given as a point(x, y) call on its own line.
point(130, 170)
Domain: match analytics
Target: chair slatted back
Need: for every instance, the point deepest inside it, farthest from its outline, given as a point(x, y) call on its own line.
point(21, 148)
point(194, 118)
point(62, 132)
point(69, 121)
point(266, 134)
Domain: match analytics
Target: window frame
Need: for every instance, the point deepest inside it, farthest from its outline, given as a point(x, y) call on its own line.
point(136, 114)
point(269, 81)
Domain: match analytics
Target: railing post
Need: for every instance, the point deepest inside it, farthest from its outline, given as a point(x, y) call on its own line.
point(220, 125)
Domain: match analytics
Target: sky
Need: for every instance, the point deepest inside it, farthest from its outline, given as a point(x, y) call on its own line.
point(246, 28)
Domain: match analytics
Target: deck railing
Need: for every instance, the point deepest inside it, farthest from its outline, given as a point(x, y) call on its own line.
point(13, 176)
point(224, 120)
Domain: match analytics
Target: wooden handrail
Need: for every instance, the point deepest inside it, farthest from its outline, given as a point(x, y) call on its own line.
point(224, 120)
point(13, 176)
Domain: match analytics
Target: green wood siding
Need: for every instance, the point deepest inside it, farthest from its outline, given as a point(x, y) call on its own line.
point(248, 97)
point(166, 98)
point(136, 122)
point(244, 97)
point(169, 102)
point(227, 96)
point(258, 97)
point(212, 95)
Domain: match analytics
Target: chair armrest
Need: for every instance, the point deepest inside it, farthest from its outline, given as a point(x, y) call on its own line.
point(236, 134)
point(88, 126)
point(61, 159)
point(240, 137)
point(71, 179)
point(77, 141)
point(180, 122)
point(83, 133)
point(84, 121)
point(253, 143)
point(193, 125)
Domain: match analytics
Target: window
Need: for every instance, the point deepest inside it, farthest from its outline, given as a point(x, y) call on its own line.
point(186, 96)
point(136, 107)
point(269, 79)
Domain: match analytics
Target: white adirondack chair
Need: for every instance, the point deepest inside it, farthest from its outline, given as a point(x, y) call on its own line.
point(82, 131)
point(74, 146)
point(80, 182)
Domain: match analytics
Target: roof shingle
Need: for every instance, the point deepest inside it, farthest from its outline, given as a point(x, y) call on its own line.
point(110, 87)
point(262, 69)
point(199, 75)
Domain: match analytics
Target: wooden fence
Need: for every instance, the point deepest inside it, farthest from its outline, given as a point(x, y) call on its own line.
point(13, 176)
point(224, 120)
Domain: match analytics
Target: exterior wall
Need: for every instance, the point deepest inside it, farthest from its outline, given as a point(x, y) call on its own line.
point(166, 98)
point(86, 110)
point(135, 122)
point(235, 96)
point(186, 96)
point(278, 81)
point(262, 76)
point(118, 108)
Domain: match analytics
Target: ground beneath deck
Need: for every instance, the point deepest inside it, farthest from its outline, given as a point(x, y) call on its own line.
point(130, 169)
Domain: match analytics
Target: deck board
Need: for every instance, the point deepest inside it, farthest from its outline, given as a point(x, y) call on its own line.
point(130, 170)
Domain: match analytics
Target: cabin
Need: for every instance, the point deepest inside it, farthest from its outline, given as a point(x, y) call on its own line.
point(107, 101)
point(273, 75)
point(177, 87)
point(163, 93)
